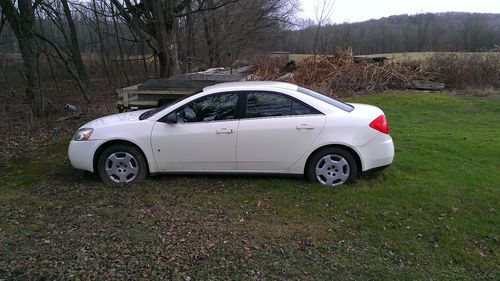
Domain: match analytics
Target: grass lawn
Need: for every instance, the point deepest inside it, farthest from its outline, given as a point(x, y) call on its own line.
point(433, 215)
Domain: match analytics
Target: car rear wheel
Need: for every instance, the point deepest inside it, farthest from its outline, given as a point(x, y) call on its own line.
point(120, 164)
point(332, 167)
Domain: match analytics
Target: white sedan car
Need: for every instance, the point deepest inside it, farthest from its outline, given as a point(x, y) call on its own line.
point(242, 127)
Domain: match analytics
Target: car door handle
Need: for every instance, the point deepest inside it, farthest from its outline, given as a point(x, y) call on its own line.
point(305, 127)
point(224, 131)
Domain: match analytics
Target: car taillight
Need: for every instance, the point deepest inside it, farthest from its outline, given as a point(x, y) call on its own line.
point(380, 124)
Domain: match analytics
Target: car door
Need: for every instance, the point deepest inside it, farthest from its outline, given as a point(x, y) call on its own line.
point(203, 139)
point(276, 131)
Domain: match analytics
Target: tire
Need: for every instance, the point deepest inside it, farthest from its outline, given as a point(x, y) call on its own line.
point(121, 164)
point(332, 167)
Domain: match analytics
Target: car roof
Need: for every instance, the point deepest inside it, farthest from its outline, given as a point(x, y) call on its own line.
point(249, 85)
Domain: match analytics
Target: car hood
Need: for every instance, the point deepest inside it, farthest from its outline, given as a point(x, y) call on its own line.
point(121, 118)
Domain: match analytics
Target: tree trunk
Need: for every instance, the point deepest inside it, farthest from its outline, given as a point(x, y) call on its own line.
point(102, 47)
point(190, 44)
point(155, 22)
point(74, 46)
point(316, 39)
point(22, 22)
point(120, 48)
point(173, 48)
point(165, 35)
point(209, 40)
point(34, 93)
point(210, 31)
point(144, 59)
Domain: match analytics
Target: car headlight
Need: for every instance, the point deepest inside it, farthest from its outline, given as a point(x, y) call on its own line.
point(83, 134)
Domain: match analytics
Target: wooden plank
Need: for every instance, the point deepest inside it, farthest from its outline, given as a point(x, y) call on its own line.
point(143, 103)
point(162, 92)
point(426, 86)
point(138, 103)
point(216, 78)
point(133, 87)
point(125, 99)
point(156, 97)
point(168, 84)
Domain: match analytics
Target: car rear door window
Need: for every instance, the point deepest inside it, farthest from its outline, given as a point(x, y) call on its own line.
point(209, 108)
point(267, 104)
point(300, 108)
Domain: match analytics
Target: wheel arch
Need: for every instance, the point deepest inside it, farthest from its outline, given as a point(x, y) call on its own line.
point(109, 143)
point(349, 149)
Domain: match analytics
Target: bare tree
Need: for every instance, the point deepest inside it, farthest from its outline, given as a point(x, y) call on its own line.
point(473, 31)
point(190, 37)
point(155, 22)
point(2, 21)
point(402, 33)
point(422, 21)
point(69, 52)
point(22, 21)
point(74, 44)
point(230, 31)
point(323, 10)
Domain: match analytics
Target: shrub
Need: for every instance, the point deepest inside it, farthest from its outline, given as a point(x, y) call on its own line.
point(464, 71)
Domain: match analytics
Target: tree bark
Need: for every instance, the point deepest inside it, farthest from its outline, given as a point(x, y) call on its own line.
point(102, 47)
point(164, 29)
point(190, 44)
point(22, 22)
point(74, 45)
point(34, 93)
point(155, 22)
point(120, 48)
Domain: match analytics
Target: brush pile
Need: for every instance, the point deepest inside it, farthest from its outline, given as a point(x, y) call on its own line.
point(342, 75)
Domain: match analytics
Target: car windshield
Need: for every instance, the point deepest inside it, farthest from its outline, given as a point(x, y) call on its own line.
point(155, 110)
point(336, 103)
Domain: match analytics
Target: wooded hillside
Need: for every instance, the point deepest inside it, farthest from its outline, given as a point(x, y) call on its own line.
point(445, 32)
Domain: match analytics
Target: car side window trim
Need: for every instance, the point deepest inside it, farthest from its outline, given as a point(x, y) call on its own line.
point(244, 96)
point(338, 104)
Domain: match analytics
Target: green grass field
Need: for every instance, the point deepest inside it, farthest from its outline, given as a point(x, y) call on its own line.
point(433, 215)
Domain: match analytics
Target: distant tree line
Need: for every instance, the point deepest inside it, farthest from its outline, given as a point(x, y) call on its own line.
point(403, 33)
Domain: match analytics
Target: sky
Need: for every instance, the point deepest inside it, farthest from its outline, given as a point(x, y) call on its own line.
point(361, 10)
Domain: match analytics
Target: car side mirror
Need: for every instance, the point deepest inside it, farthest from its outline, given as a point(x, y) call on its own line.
point(171, 118)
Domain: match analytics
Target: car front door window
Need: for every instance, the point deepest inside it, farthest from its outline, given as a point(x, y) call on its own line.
point(216, 107)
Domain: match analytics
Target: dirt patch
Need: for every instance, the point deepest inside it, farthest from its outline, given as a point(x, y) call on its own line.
point(24, 133)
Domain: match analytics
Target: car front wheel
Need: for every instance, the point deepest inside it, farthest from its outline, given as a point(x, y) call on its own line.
point(332, 167)
point(121, 164)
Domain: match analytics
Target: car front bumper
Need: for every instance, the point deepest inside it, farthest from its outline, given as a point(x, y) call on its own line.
point(81, 154)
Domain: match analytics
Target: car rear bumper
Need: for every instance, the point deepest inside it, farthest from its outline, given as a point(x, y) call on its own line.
point(377, 169)
point(81, 154)
point(377, 153)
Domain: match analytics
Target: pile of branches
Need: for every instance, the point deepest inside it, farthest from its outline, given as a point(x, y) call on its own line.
point(342, 75)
